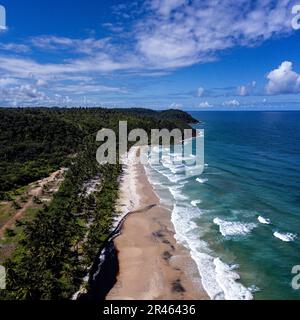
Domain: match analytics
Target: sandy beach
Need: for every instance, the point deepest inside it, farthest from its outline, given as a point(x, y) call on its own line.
point(152, 264)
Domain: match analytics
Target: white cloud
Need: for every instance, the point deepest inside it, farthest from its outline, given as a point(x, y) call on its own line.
point(166, 6)
point(283, 80)
point(8, 81)
point(112, 27)
point(205, 104)
point(30, 95)
point(14, 47)
point(169, 34)
point(246, 90)
point(87, 45)
point(100, 63)
point(231, 103)
point(242, 91)
point(182, 33)
point(82, 88)
point(24, 92)
point(200, 92)
point(41, 83)
point(175, 105)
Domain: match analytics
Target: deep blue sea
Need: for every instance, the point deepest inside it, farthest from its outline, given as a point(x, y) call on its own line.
point(241, 218)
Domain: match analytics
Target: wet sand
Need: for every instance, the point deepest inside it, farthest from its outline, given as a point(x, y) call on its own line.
point(152, 264)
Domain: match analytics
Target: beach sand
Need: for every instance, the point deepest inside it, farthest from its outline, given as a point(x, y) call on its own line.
point(153, 266)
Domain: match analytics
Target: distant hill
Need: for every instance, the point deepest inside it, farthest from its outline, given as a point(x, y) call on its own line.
point(171, 114)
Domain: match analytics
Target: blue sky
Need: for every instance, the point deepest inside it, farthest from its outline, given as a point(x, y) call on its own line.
point(193, 55)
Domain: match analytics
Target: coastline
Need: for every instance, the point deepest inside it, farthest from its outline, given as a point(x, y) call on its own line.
point(152, 265)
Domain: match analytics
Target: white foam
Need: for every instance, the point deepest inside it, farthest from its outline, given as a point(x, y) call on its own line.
point(183, 183)
point(286, 237)
point(173, 177)
point(233, 228)
point(195, 202)
point(176, 192)
point(254, 288)
point(189, 234)
point(228, 281)
point(174, 168)
point(218, 279)
point(201, 180)
point(263, 220)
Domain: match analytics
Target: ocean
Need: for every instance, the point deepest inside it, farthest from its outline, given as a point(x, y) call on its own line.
point(240, 219)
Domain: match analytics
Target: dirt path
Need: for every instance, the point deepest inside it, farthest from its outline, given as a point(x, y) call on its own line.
point(34, 192)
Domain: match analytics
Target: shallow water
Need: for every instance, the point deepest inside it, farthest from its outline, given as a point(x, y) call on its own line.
point(241, 217)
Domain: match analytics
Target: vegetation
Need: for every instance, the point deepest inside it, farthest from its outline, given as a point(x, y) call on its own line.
point(37, 141)
point(172, 114)
point(58, 245)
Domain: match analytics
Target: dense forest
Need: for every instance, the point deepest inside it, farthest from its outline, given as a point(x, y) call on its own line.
point(60, 243)
point(36, 141)
point(172, 114)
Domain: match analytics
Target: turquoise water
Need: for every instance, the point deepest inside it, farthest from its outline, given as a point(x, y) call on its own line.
point(241, 218)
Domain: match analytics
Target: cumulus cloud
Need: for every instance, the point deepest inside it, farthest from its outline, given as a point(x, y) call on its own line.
point(243, 91)
point(31, 95)
point(200, 92)
point(283, 80)
point(164, 35)
point(231, 103)
point(25, 93)
point(205, 104)
point(246, 90)
point(175, 105)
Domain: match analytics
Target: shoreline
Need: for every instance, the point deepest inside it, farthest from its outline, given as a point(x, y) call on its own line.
point(152, 265)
